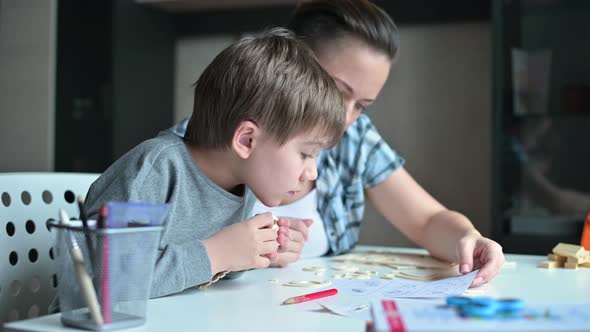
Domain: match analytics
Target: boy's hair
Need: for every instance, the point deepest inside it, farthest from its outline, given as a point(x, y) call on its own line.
point(322, 21)
point(273, 80)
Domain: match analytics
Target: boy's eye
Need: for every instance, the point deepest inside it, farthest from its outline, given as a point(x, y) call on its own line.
point(360, 107)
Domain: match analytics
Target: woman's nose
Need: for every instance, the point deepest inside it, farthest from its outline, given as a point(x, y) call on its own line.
point(310, 173)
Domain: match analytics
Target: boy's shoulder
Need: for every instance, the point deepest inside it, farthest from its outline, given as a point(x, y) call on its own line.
point(165, 144)
point(142, 173)
point(153, 152)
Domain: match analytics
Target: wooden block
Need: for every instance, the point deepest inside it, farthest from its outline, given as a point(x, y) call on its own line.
point(577, 260)
point(509, 265)
point(569, 250)
point(584, 265)
point(547, 264)
point(556, 258)
point(427, 274)
point(570, 265)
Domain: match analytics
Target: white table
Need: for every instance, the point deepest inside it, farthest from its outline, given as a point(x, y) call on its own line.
point(252, 302)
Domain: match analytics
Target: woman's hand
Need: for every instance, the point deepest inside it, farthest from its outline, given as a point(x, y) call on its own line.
point(477, 252)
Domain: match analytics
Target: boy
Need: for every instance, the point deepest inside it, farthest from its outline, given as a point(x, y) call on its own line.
point(263, 110)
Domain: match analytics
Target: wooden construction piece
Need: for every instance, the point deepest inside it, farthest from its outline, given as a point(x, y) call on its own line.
point(569, 250)
point(547, 264)
point(578, 260)
point(556, 258)
point(559, 260)
point(393, 259)
point(308, 283)
point(314, 269)
point(509, 265)
point(573, 266)
point(428, 274)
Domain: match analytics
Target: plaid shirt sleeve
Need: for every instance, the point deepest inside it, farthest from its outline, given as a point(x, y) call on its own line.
point(360, 160)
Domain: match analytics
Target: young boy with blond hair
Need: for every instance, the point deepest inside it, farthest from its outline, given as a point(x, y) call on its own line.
point(263, 110)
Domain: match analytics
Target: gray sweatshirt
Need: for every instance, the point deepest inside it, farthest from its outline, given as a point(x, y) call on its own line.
point(161, 170)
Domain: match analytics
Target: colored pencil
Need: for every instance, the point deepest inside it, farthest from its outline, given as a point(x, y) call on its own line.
point(311, 296)
point(105, 289)
point(88, 292)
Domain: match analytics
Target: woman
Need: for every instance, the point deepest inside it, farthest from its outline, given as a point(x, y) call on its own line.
point(356, 43)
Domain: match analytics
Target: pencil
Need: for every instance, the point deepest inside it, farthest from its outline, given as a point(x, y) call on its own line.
point(311, 296)
point(105, 290)
point(88, 291)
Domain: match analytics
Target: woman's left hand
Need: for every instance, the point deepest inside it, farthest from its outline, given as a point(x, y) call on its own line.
point(477, 252)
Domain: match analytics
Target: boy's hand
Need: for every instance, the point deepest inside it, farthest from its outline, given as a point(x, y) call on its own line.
point(241, 246)
point(292, 235)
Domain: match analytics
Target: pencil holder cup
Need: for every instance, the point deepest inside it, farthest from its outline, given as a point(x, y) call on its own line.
point(104, 275)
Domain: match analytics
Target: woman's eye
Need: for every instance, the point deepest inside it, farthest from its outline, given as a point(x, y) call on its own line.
point(306, 155)
point(360, 107)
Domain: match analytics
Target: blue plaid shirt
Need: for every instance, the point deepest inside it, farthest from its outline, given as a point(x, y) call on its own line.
point(360, 160)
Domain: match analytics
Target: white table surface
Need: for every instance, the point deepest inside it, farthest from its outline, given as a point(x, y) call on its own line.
point(252, 302)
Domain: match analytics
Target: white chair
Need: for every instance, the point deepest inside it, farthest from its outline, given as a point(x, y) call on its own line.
point(27, 272)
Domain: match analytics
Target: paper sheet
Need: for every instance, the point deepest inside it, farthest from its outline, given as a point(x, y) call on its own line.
point(359, 310)
point(397, 288)
point(354, 295)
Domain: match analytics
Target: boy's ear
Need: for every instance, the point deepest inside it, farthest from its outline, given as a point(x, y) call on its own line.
point(245, 138)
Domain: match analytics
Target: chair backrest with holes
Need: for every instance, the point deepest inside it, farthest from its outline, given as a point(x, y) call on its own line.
point(27, 272)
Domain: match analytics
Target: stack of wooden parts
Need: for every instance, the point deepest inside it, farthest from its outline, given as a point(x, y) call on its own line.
point(569, 256)
point(403, 265)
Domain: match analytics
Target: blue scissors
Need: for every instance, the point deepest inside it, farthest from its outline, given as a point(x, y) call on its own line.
point(486, 307)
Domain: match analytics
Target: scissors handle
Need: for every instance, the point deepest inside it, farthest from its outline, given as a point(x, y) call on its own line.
point(486, 307)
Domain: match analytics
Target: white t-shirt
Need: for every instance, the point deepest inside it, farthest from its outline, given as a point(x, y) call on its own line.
point(304, 208)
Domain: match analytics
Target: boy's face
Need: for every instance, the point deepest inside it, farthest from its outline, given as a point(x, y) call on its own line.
point(276, 173)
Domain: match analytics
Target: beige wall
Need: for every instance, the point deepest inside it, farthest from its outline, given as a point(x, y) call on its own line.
point(27, 84)
point(192, 56)
point(435, 110)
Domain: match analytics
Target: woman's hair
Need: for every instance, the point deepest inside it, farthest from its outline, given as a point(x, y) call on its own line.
point(321, 21)
point(273, 80)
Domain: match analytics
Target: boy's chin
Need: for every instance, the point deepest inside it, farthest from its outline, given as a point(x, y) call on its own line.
point(270, 202)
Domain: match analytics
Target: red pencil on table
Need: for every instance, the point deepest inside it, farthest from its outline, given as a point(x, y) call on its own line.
point(311, 296)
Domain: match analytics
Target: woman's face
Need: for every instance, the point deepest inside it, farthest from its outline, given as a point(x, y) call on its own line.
point(359, 71)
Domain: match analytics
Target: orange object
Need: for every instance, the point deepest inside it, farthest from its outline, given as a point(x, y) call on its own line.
point(586, 233)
